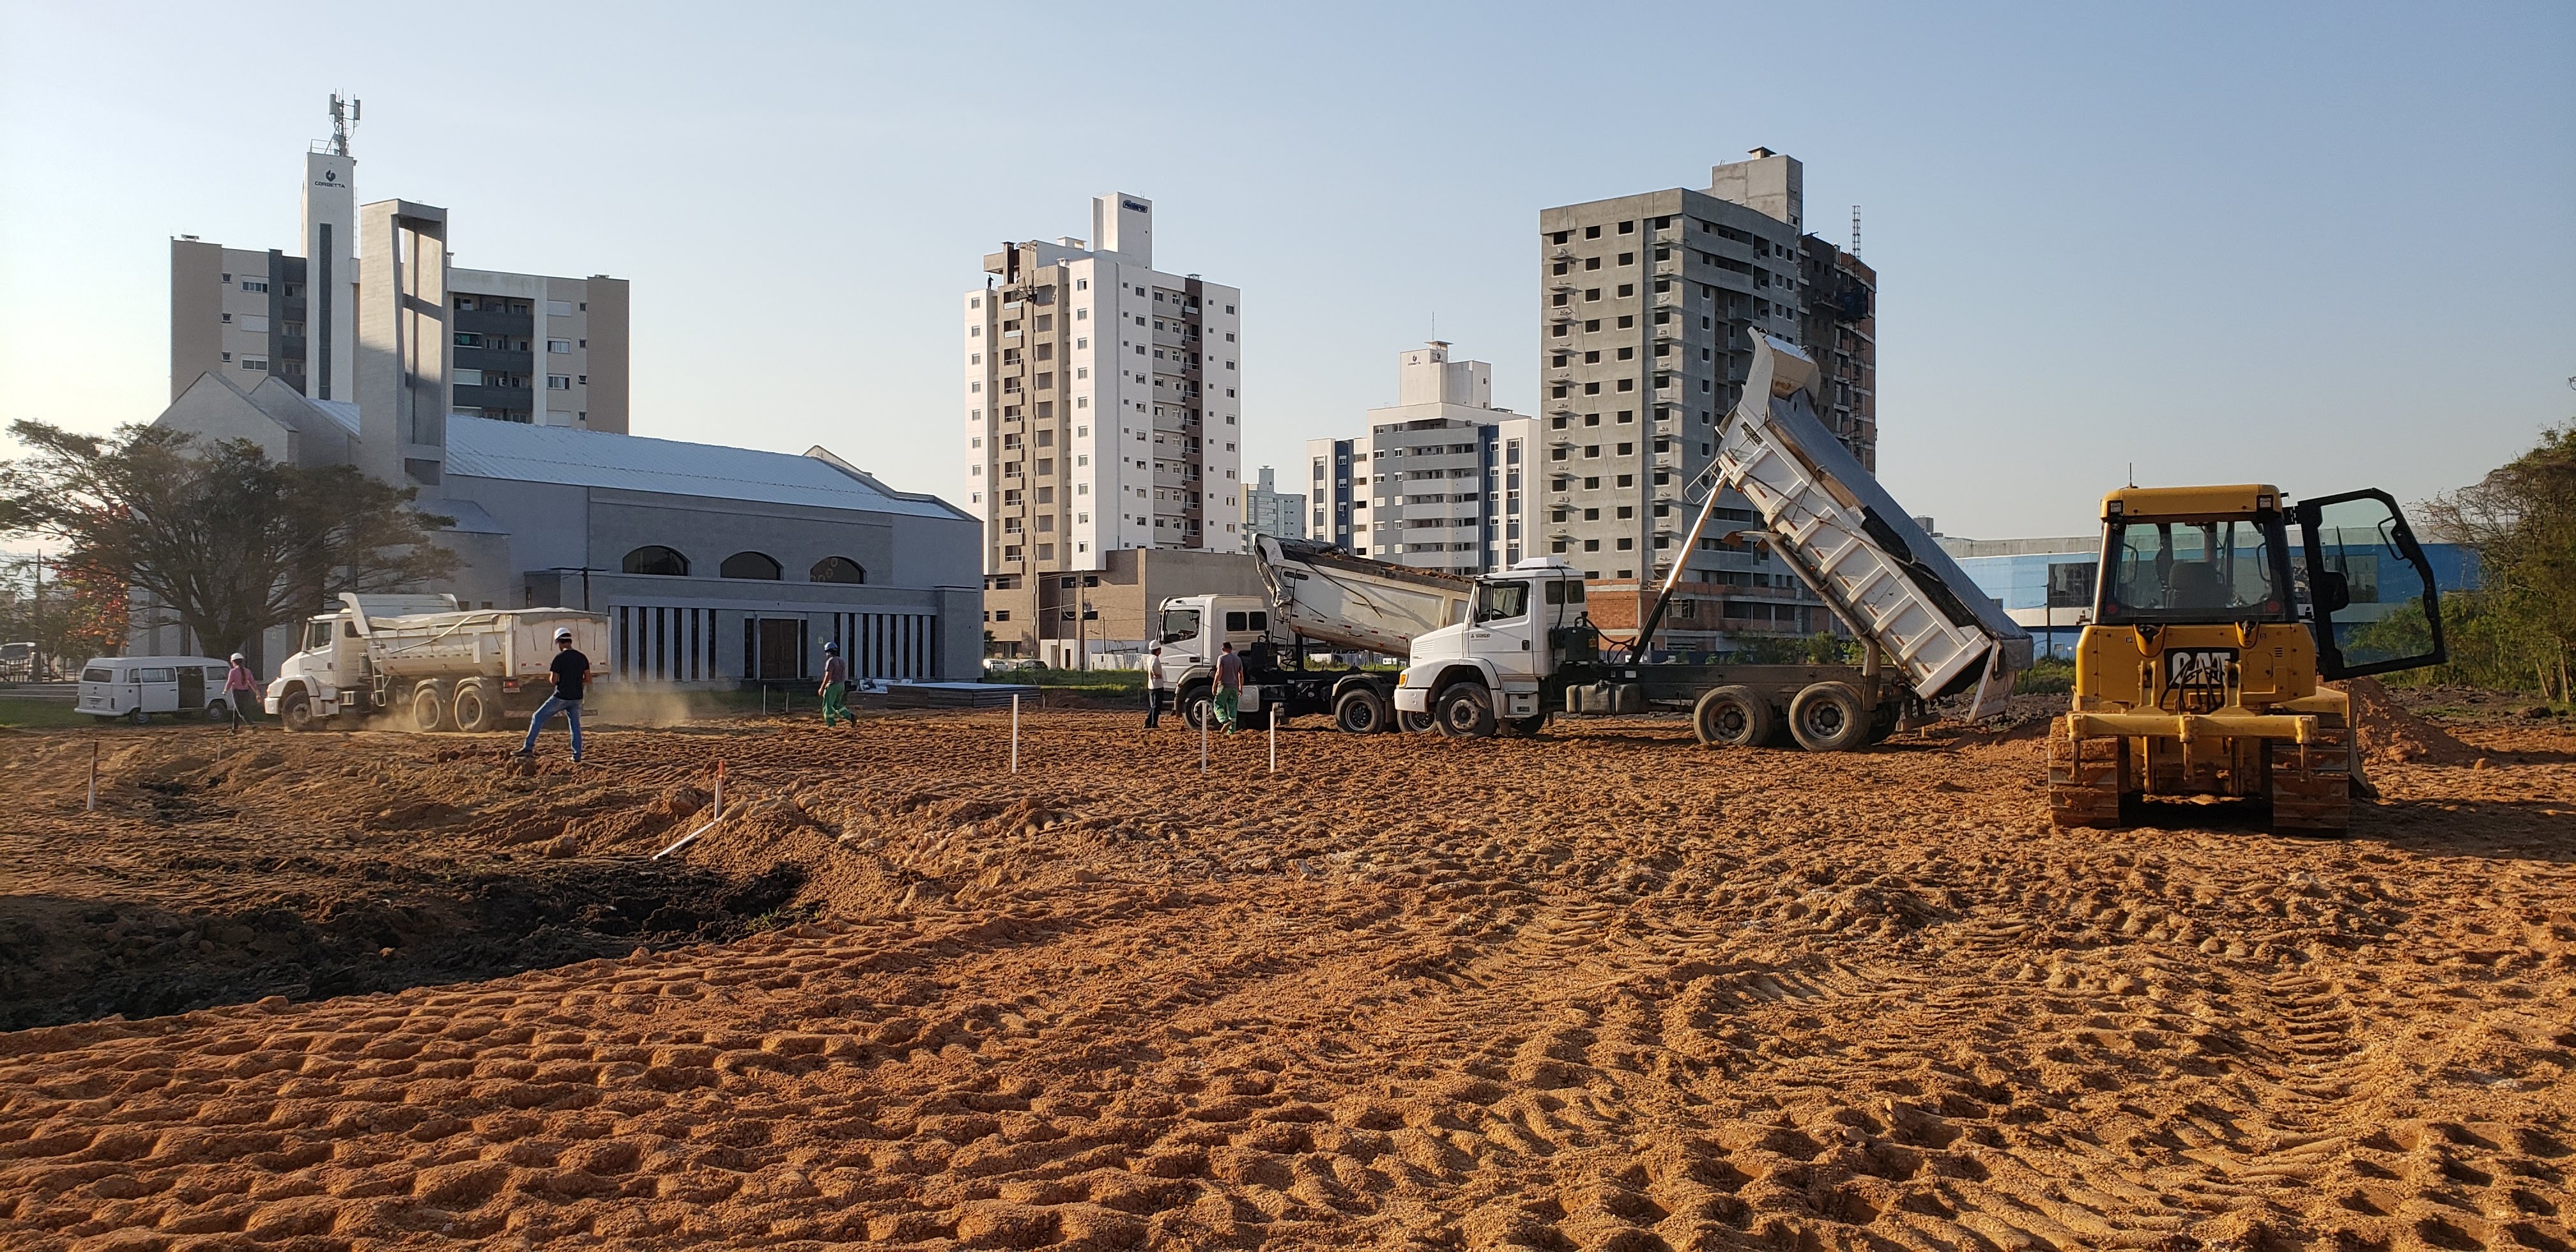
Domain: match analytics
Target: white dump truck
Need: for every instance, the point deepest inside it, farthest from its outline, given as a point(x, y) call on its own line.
point(423, 659)
point(1508, 650)
point(1316, 594)
point(1529, 651)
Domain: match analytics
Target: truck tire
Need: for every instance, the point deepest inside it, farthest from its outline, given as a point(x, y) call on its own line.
point(1829, 717)
point(1465, 710)
point(1415, 723)
point(1198, 706)
point(428, 708)
point(475, 708)
point(295, 710)
point(1527, 726)
point(1360, 711)
point(1733, 717)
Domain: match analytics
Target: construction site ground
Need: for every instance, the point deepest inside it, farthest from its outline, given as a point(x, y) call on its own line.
point(1604, 989)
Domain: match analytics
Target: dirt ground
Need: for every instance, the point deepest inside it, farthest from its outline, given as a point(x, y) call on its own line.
point(1604, 989)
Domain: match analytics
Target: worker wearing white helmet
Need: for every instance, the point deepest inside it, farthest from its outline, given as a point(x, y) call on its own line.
point(836, 686)
point(572, 671)
point(241, 692)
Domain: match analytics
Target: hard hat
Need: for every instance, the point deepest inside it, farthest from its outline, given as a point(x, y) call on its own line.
point(831, 647)
point(237, 656)
point(563, 632)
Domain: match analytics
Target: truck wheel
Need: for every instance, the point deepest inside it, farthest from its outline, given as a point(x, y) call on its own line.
point(1829, 717)
point(1415, 723)
point(1530, 725)
point(428, 708)
point(1465, 710)
point(295, 710)
point(476, 710)
point(1733, 717)
point(1360, 711)
point(1198, 707)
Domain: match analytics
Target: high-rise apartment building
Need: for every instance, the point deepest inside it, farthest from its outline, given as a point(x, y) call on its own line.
point(528, 348)
point(1270, 511)
point(1441, 480)
point(1103, 404)
point(1648, 301)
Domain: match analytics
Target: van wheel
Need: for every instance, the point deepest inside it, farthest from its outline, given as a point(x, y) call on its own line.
point(475, 709)
point(217, 710)
point(295, 710)
point(139, 717)
point(1829, 717)
point(1732, 717)
point(1465, 711)
point(1359, 711)
point(428, 708)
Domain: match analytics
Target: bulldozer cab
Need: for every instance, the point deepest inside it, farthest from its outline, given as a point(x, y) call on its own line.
point(2222, 555)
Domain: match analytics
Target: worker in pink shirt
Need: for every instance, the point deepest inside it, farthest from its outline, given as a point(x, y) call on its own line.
point(241, 692)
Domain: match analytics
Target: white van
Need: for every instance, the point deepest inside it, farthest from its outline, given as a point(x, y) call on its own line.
point(137, 687)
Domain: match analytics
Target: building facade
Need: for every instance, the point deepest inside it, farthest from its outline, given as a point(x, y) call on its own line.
point(529, 348)
point(1103, 404)
point(1270, 511)
point(713, 564)
point(1441, 479)
point(1647, 303)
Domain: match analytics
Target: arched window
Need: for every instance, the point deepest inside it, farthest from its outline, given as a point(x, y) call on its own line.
point(837, 569)
point(653, 558)
point(750, 565)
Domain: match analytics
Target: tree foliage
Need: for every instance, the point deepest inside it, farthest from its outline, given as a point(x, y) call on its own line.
point(231, 541)
point(2518, 629)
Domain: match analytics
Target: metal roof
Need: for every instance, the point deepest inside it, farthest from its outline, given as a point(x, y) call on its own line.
point(488, 448)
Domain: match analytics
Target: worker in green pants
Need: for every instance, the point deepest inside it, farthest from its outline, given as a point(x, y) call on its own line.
point(836, 687)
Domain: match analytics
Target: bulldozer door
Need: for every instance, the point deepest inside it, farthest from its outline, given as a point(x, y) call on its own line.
point(2376, 607)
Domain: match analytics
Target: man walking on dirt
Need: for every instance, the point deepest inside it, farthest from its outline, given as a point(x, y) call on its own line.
point(241, 693)
point(571, 670)
point(1229, 687)
point(1155, 690)
point(836, 687)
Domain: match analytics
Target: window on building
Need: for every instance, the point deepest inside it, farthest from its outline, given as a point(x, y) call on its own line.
point(558, 382)
point(758, 565)
point(656, 559)
point(558, 347)
point(837, 569)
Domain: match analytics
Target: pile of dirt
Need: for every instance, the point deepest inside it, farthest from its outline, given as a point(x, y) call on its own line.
point(2390, 735)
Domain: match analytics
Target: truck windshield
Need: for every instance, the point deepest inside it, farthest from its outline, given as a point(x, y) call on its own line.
point(1179, 625)
point(2193, 572)
point(1501, 602)
point(317, 636)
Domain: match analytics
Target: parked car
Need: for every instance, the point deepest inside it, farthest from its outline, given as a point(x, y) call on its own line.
point(136, 687)
point(17, 662)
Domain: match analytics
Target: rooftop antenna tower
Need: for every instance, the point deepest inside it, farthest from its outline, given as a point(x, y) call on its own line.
point(344, 118)
point(1855, 230)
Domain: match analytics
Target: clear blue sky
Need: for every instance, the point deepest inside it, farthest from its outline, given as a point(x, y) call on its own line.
point(2327, 246)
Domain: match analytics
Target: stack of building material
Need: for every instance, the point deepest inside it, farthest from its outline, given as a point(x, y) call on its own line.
point(958, 695)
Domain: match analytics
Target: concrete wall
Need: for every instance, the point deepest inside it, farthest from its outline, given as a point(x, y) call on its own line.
point(610, 354)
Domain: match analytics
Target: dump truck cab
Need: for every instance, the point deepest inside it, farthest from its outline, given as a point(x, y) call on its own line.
point(2217, 612)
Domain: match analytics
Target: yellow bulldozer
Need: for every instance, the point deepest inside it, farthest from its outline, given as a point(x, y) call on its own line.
point(2198, 672)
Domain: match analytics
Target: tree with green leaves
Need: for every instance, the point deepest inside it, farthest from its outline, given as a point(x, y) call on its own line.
point(2519, 628)
point(232, 542)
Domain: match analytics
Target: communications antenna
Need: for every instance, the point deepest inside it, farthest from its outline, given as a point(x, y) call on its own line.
point(344, 118)
point(1855, 230)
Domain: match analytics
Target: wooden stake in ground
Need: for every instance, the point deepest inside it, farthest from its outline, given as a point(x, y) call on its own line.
point(93, 776)
point(703, 827)
point(1204, 719)
point(1274, 741)
point(1015, 732)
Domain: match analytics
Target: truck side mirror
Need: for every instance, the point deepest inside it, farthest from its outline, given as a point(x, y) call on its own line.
point(2331, 592)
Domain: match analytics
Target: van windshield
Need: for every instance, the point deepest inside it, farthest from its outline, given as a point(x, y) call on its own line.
point(2193, 572)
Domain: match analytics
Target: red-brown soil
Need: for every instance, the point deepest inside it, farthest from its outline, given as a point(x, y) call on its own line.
point(1604, 989)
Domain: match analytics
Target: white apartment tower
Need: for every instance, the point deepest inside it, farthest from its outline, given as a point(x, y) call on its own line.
point(1441, 479)
point(531, 348)
point(1103, 404)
